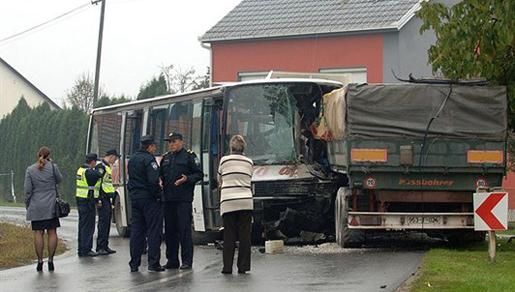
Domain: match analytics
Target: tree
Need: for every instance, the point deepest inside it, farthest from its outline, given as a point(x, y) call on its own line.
point(475, 38)
point(154, 87)
point(180, 80)
point(26, 129)
point(106, 100)
point(203, 81)
point(81, 94)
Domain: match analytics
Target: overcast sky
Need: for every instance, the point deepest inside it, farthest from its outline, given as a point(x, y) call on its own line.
point(139, 36)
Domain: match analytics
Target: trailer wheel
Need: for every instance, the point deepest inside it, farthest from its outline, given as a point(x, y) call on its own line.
point(123, 231)
point(345, 237)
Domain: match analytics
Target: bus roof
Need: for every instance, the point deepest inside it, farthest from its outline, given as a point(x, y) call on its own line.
point(219, 88)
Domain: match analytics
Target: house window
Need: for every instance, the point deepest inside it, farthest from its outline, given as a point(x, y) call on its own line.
point(358, 75)
point(245, 76)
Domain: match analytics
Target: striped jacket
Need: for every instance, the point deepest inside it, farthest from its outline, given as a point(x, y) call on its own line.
point(235, 174)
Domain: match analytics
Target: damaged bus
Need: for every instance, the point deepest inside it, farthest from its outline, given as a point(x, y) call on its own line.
point(293, 185)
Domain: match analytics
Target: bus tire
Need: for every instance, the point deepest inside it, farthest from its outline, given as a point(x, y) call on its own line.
point(123, 231)
point(345, 237)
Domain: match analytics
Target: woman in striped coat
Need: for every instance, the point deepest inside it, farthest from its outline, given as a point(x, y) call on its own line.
point(236, 205)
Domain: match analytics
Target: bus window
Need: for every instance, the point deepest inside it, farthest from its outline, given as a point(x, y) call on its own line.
point(196, 127)
point(105, 133)
point(158, 117)
point(180, 120)
point(264, 116)
point(133, 130)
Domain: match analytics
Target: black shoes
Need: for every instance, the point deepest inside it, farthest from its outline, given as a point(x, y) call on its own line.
point(185, 267)
point(134, 269)
point(226, 272)
point(156, 269)
point(88, 254)
point(169, 266)
point(51, 267)
point(242, 272)
point(102, 252)
point(39, 267)
point(110, 251)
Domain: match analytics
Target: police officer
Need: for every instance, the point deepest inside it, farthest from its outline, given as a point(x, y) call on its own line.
point(107, 193)
point(147, 217)
point(180, 171)
point(88, 187)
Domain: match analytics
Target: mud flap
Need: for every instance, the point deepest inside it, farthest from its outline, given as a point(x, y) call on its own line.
point(345, 237)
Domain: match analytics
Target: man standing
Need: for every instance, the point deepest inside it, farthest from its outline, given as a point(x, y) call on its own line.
point(88, 186)
point(107, 193)
point(180, 171)
point(147, 217)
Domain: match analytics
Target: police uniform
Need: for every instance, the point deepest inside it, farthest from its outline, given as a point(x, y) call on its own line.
point(87, 193)
point(107, 192)
point(147, 218)
point(178, 203)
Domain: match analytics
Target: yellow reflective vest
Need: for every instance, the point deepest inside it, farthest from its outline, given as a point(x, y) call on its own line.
point(82, 185)
point(107, 180)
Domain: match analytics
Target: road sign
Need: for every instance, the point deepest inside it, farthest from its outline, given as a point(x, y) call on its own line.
point(491, 211)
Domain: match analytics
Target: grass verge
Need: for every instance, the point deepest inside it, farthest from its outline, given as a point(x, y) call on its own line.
point(468, 269)
point(17, 246)
point(11, 204)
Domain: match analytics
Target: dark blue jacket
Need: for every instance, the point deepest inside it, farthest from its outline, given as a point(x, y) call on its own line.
point(143, 176)
point(173, 166)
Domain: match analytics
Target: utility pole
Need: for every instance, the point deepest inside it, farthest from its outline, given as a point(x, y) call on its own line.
point(99, 49)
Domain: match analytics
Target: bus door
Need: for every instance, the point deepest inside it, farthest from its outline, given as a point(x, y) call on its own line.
point(132, 128)
point(212, 150)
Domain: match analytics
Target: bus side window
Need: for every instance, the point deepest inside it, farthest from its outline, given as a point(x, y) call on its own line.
point(133, 130)
point(158, 118)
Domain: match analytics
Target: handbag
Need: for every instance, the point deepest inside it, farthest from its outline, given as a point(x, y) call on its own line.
point(62, 208)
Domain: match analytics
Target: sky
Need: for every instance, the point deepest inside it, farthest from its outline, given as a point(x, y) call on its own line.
point(139, 37)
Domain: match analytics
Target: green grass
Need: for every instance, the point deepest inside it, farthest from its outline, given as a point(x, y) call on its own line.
point(510, 231)
point(468, 269)
point(11, 204)
point(17, 246)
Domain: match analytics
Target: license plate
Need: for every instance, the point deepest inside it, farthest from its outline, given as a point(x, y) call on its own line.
point(423, 220)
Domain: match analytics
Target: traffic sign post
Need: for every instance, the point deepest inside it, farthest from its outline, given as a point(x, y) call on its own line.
point(490, 214)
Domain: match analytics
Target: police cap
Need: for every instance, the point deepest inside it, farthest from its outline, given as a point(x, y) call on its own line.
point(147, 140)
point(91, 157)
point(112, 152)
point(174, 136)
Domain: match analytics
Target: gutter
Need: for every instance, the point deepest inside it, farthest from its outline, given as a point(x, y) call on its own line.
point(207, 46)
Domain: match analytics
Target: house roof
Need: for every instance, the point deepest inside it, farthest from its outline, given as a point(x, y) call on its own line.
point(50, 101)
point(253, 19)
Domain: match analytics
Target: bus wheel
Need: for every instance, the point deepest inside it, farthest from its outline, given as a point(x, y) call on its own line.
point(123, 231)
point(345, 237)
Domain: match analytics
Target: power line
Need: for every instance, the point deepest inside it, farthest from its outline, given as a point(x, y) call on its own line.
point(18, 34)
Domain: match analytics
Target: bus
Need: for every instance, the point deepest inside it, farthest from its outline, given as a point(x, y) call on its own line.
point(292, 181)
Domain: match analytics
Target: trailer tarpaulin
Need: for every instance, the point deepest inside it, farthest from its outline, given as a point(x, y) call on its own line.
point(405, 110)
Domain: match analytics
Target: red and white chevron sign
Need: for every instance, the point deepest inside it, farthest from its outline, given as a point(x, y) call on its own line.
point(490, 211)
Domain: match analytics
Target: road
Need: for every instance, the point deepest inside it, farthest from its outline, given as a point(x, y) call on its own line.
point(311, 268)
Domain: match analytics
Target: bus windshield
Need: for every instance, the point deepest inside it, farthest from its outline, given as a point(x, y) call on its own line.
point(264, 115)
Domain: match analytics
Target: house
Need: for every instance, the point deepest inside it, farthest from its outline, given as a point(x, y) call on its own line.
point(13, 86)
point(365, 38)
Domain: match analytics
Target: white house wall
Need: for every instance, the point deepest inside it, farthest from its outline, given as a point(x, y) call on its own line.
point(12, 88)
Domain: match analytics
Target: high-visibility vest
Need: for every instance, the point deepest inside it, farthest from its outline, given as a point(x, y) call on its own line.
point(82, 185)
point(107, 180)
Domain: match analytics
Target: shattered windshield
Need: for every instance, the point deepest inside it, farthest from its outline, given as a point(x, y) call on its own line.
point(264, 115)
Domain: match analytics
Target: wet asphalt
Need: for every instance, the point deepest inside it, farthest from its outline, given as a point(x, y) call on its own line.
point(312, 268)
